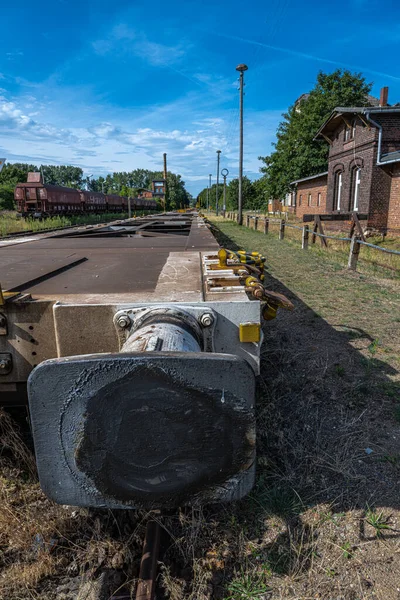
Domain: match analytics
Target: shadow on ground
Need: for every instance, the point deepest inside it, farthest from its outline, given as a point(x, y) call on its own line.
point(328, 457)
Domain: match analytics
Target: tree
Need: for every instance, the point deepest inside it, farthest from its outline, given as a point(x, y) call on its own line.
point(64, 175)
point(10, 175)
point(296, 153)
point(248, 194)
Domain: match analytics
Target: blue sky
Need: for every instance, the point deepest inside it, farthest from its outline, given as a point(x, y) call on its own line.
point(110, 86)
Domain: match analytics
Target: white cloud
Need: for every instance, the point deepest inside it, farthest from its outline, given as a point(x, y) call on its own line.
point(123, 39)
point(125, 142)
point(13, 119)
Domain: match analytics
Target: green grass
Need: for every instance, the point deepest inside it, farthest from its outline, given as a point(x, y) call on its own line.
point(11, 223)
point(247, 587)
point(371, 261)
point(366, 304)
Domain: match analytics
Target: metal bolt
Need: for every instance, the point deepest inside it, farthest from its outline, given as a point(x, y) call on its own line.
point(124, 321)
point(4, 363)
point(3, 321)
point(207, 320)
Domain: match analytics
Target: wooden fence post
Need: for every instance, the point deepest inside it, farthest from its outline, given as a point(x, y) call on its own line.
point(247, 220)
point(266, 223)
point(354, 252)
point(282, 229)
point(304, 239)
point(255, 223)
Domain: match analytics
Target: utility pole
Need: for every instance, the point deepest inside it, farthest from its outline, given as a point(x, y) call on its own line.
point(209, 191)
point(216, 189)
point(224, 174)
point(241, 68)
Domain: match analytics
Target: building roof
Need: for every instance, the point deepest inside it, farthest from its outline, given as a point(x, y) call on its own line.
point(332, 122)
point(47, 186)
point(391, 156)
point(324, 174)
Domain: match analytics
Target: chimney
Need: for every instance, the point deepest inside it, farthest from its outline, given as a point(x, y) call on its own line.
point(383, 100)
point(165, 165)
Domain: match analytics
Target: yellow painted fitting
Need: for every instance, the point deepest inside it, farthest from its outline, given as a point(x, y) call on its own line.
point(222, 256)
point(249, 332)
point(269, 312)
point(251, 281)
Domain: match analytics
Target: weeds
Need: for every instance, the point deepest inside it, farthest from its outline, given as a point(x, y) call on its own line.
point(247, 586)
point(378, 521)
point(347, 550)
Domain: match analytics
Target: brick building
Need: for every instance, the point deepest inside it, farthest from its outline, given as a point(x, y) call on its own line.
point(363, 167)
point(310, 195)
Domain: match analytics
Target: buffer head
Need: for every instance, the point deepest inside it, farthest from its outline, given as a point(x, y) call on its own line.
point(143, 430)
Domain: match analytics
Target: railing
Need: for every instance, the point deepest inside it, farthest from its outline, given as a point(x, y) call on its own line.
point(355, 242)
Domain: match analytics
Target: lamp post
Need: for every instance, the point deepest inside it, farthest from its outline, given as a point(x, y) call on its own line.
point(241, 68)
point(216, 189)
point(224, 174)
point(209, 191)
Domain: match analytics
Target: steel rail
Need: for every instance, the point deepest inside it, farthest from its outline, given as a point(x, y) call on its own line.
point(148, 565)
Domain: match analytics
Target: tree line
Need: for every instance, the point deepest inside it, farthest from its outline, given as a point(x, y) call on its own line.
point(120, 184)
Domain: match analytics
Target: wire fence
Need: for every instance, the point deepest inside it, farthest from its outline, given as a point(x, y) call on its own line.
point(353, 244)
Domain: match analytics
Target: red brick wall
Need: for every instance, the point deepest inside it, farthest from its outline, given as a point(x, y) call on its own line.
point(390, 130)
point(314, 187)
point(344, 156)
point(393, 222)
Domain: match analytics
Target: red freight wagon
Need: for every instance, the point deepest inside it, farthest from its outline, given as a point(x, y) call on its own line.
point(94, 201)
point(116, 203)
point(36, 199)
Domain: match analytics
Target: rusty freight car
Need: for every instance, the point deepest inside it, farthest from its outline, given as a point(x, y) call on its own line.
point(35, 199)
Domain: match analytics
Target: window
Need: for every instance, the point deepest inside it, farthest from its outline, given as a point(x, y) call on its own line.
point(300, 199)
point(338, 190)
point(309, 199)
point(356, 186)
point(319, 199)
point(350, 131)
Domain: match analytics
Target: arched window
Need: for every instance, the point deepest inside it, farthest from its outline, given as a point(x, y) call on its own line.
point(355, 187)
point(338, 190)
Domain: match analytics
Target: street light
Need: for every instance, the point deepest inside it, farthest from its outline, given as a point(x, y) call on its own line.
point(216, 189)
point(208, 192)
point(241, 68)
point(224, 174)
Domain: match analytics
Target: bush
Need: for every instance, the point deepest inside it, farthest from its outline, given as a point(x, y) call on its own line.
point(6, 196)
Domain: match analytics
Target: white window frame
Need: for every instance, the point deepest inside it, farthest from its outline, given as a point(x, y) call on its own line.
point(356, 189)
point(319, 199)
point(338, 190)
point(309, 199)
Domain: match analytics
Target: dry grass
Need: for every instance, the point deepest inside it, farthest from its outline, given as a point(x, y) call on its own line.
point(10, 222)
